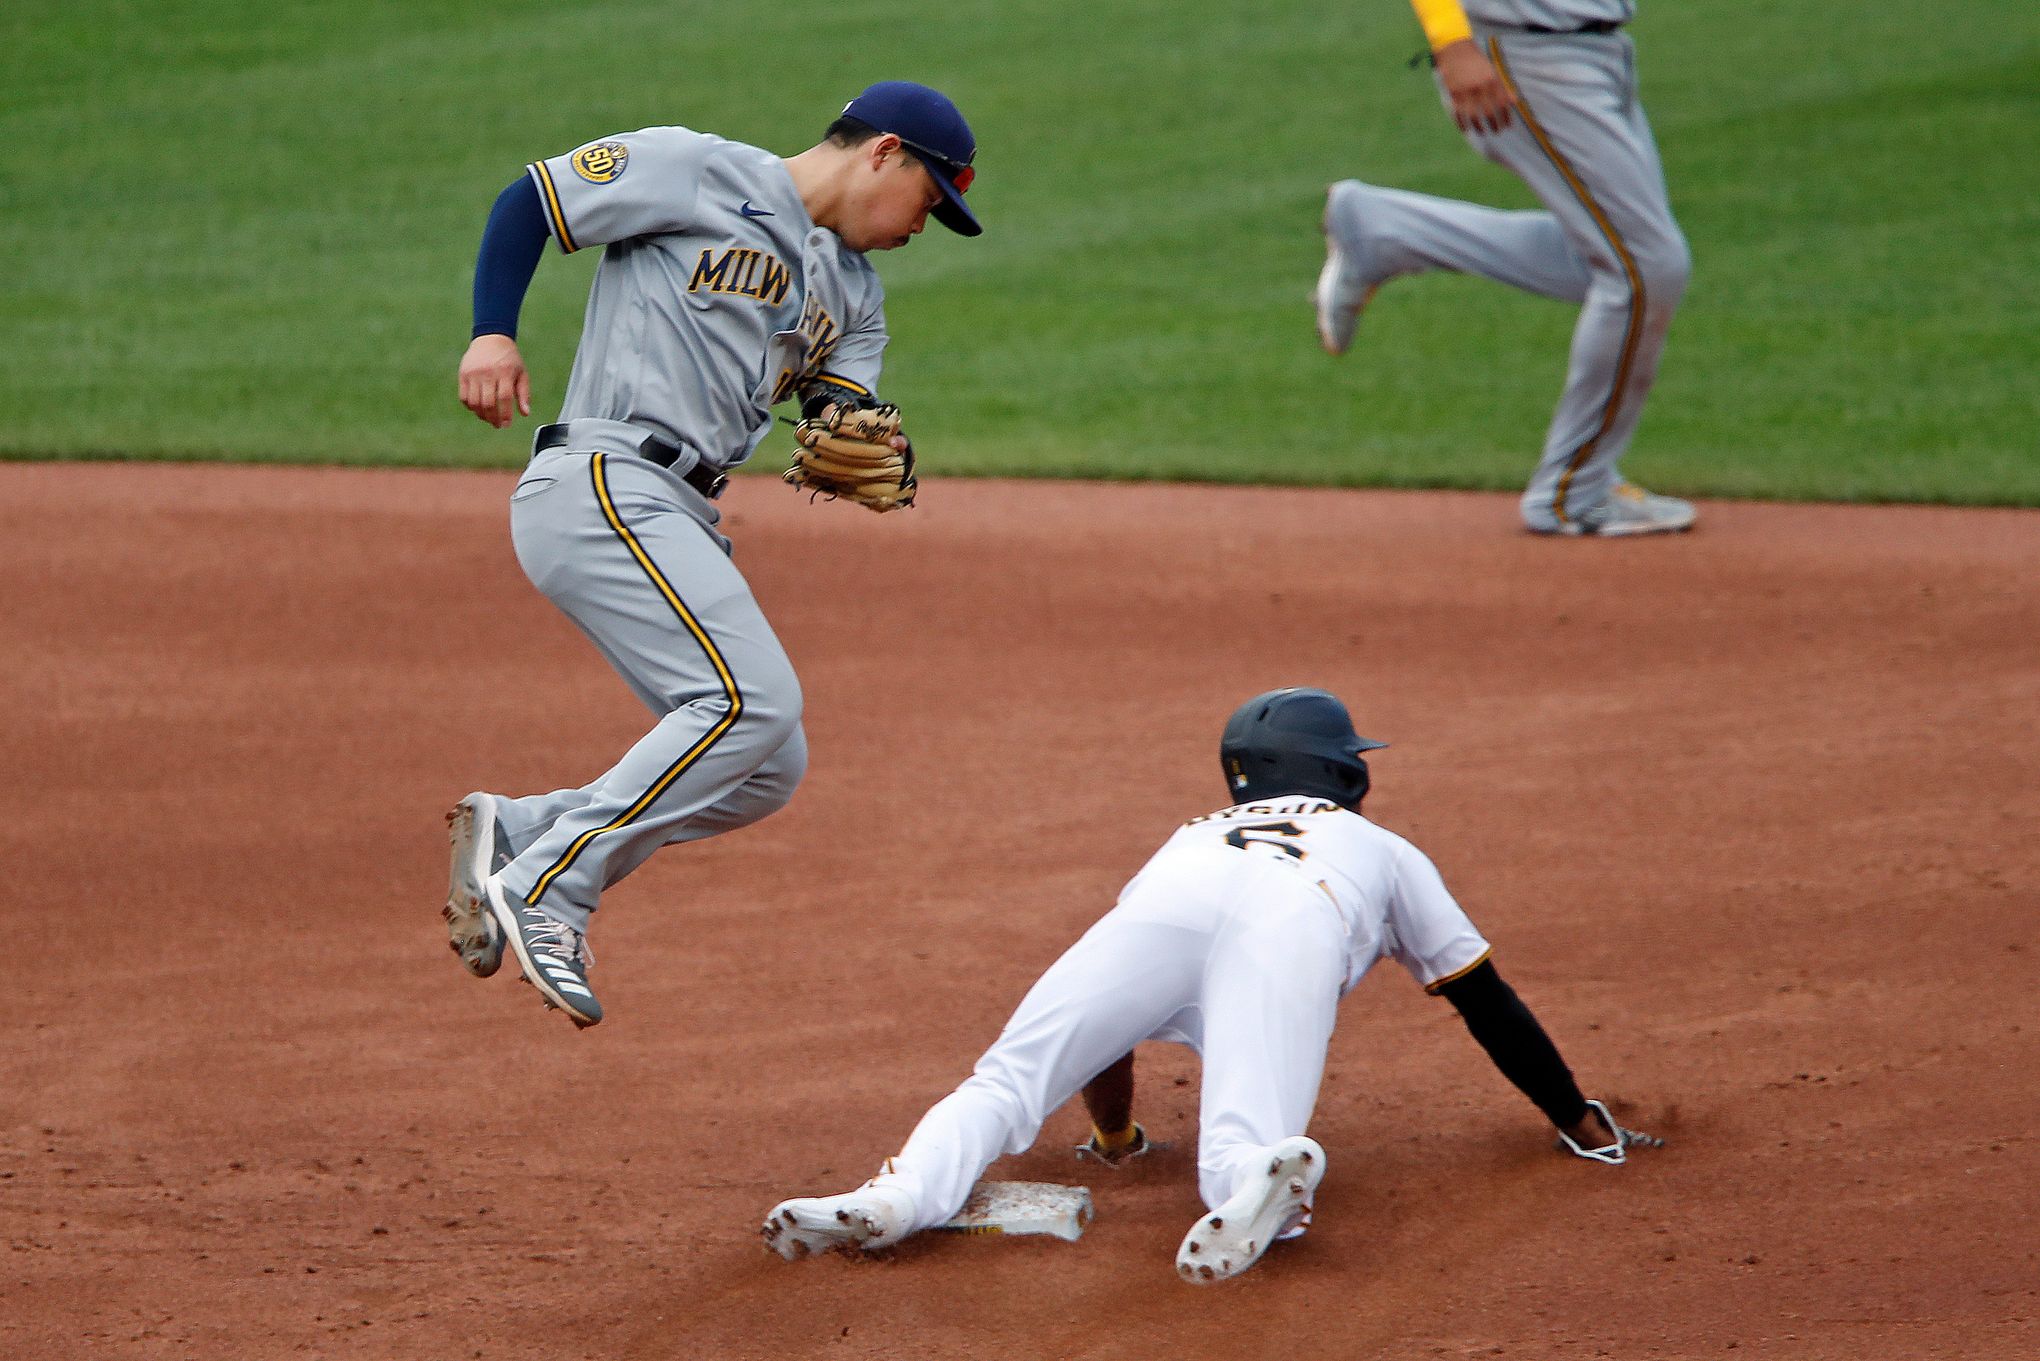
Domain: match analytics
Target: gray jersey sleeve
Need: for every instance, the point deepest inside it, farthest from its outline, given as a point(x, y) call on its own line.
point(633, 184)
point(859, 355)
point(1433, 937)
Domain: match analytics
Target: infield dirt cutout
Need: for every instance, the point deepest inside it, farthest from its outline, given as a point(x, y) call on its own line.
point(1749, 815)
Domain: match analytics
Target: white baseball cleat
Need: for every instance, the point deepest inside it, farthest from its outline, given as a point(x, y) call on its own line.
point(1232, 1238)
point(1632, 510)
point(479, 850)
point(1628, 510)
point(868, 1218)
point(1342, 291)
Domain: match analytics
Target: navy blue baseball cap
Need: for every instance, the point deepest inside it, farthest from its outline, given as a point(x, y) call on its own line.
point(927, 124)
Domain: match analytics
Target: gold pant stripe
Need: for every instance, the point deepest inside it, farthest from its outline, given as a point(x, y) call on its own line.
point(1636, 298)
point(598, 470)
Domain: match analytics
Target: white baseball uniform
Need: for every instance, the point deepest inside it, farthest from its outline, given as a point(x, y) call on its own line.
point(1238, 938)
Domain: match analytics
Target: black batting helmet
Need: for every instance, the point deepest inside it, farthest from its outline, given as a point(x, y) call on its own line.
point(1294, 741)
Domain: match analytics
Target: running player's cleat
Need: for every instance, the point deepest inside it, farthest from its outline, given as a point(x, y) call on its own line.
point(1232, 1238)
point(553, 956)
point(479, 850)
point(869, 1218)
point(1628, 510)
point(1342, 291)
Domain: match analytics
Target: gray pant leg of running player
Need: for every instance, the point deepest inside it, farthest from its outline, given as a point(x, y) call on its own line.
point(1607, 241)
point(627, 551)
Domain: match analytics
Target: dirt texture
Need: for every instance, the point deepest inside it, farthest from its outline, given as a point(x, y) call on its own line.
point(1749, 815)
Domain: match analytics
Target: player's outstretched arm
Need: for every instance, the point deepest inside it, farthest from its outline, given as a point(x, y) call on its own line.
point(494, 383)
point(1520, 1048)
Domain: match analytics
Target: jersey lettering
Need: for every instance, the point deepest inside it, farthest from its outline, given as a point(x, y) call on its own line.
point(742, 271)
point(1288, 808)
point(819, 330)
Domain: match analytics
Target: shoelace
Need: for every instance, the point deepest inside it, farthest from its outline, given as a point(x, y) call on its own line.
point(557, 939)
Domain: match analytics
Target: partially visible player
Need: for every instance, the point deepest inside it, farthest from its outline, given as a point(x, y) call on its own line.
point(1238, 939)
point(1547, 89)
point(731, 280)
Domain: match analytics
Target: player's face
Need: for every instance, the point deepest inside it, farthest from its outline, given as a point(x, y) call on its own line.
point(899, 195)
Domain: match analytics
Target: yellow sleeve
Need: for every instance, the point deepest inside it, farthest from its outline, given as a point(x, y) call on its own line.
point(1444, 22)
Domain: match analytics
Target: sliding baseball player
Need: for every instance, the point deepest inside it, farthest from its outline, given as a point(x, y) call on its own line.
point(1238, 939)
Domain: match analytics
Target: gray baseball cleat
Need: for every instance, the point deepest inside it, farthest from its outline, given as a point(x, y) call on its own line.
point(1628, 510)
point(552, 956)
point(1343, 290)
point(868, 1218)
point(1232, 1238)
point(479, 850)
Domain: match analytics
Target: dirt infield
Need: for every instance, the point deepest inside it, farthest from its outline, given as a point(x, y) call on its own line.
point(1750, 816)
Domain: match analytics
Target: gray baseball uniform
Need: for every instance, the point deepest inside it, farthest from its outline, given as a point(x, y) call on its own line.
point(1606, 240)
point(716, 298)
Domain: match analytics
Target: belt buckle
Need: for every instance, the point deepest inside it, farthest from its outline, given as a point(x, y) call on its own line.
point(716, 485)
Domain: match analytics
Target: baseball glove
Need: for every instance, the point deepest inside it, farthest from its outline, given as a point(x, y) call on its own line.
point(847, 451)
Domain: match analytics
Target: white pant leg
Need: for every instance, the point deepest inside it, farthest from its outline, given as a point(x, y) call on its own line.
point(620, 546)
point(1270, 999)
point(1108, 992)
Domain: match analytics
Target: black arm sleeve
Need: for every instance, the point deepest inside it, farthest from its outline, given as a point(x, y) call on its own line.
point(1516, 1043)
point(511, 244)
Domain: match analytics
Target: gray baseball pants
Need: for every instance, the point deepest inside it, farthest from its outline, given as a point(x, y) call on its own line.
point(1606, 240)
point(629, 552)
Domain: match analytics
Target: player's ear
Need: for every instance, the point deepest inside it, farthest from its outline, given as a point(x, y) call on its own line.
point(880, 148)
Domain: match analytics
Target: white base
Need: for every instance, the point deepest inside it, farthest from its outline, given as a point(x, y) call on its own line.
point(1024, 1207)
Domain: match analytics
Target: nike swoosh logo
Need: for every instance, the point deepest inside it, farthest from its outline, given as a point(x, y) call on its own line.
point(748, 211)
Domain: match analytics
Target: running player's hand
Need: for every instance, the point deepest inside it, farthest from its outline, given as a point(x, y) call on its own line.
point(1481, 100)
point(493, 381)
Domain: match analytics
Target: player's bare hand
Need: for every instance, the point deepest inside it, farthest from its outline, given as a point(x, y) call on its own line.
point(494, 383)
point(1481, 100)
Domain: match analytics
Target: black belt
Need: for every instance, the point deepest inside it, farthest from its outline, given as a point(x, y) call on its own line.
point(1598, 26)
point(651, 449)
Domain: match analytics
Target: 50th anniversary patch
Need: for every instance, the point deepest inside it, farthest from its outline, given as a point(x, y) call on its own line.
point(601, 162)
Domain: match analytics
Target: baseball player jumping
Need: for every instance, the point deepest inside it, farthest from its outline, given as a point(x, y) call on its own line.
point(1238, 939)
point(1546, 88)
point(731, 280)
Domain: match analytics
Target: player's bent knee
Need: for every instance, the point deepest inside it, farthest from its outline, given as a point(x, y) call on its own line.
point(776, 780)
point(1666, 270)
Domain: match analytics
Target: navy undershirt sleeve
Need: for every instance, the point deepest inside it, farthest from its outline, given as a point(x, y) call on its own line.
point(1517, 1043)
point(511, 244)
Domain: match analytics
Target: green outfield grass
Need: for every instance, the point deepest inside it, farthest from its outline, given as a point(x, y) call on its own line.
point(247, 231)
